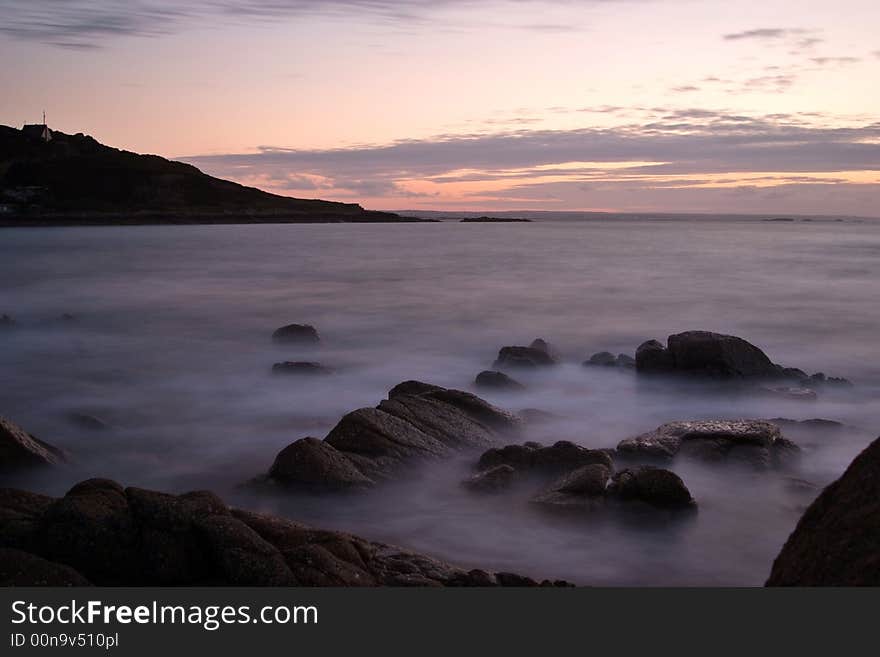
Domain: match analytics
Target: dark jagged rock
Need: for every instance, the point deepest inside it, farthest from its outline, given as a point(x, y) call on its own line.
point(20, 450)
point(492, 480)
point(755, 441)
point(497, 381)
point(559, 457)
point(296, 334)
point(418, 421)
point(537, 355)
point(103, 534)
point(837, 540)
point(654, 486)
point(301, 368)
point(316, 464)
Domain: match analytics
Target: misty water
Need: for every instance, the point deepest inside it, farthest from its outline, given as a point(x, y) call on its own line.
point(170, 345)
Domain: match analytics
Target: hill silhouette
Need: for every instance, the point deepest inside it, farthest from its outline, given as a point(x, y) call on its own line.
point(74, 179)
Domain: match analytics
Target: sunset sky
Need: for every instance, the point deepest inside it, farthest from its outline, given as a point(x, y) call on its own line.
point(622, 105)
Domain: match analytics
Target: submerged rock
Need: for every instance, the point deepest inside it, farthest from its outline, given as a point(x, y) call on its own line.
point(756, 441)
point(20, 450)
point(417, 422)
point(301, 368)
point(536, 355)
point(605, 358)
point(6, 321)
point(790, 392)
point(492, 480)
point(497, 381)
point(104, 534)
point(837, 540)
point(296, 333)
point(86, 421)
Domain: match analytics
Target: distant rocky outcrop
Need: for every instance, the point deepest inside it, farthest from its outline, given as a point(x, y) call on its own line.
point(75, 179)
point(417, 422)
point(101, 533)
point(718, 356)
point(607, 359)
point(756, 442)
point(19, 450)
point(296, 334)
point(837, 540)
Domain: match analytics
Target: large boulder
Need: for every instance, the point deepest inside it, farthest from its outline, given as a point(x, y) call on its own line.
point(492, 480)
point(417, 422)
point(583, 488)
point(296, 334)
point(837, 540)
point(707, 354)
point(20, 450)
point(104, 534)
point(757, 442)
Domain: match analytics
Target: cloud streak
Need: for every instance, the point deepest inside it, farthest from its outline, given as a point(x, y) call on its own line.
point(694, 150)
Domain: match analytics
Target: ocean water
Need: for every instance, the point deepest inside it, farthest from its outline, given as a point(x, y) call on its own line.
point(170, 345)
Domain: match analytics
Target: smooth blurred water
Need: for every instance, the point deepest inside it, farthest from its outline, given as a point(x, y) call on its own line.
point(170, 345)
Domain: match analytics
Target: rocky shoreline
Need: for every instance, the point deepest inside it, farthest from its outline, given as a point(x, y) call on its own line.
point(102, 533)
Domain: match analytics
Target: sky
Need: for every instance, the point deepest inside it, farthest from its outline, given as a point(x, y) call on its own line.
point(754, 106)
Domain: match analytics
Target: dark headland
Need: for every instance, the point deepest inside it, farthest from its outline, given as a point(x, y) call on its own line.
point(50, 178)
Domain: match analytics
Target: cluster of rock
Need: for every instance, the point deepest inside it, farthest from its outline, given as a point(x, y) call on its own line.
point(417, 422)
point(302, 335)
point(586, 478)
point(718, 356)
point(101, 533)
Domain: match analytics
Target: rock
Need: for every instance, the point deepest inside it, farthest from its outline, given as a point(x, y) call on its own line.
point(541, 345)
point(654, 486)
point(789, 392)
point(67, 317)
point(301, 368)
point(497, 381)
point(492, 480)
point(6, 322)
point(559, 457)
point(524, 357)
point(19, 568)
point(653, 358)
point(533, 416)
point(605, 358)
point(417, 422)
point(581, 488)
point(707, 354)
point(316, 464)
point(756, 441)
point(19, 450)
point(104, 534)
point(86, 421)
point(296, 333)
point(836, 541)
